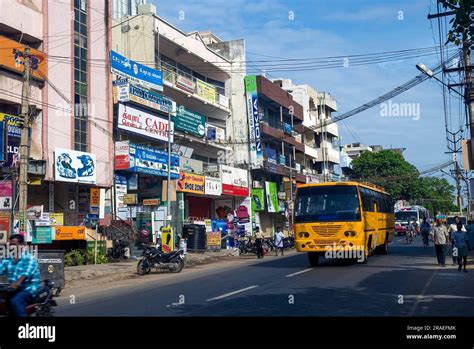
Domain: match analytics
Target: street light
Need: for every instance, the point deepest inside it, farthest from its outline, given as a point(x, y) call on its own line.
point(428, 72)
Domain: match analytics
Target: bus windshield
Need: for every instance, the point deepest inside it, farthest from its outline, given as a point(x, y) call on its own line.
point(327, 204)
point(406, 216)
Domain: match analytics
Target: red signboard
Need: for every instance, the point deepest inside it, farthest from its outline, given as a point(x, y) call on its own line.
point(122, 155)
point(235, 191)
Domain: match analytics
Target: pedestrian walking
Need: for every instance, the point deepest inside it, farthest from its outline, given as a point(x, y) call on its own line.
point(461, 247)
point(425, 229)
point(259, 243)
point(453, 228)
point(440, 238)
point(278, 241)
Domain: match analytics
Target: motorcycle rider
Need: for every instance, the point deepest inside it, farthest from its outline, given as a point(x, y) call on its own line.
point(23, 276)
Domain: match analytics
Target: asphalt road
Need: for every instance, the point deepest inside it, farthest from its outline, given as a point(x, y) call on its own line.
point(406, 282)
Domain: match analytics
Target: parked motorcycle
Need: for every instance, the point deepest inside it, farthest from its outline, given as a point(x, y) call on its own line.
point(42, 305)
point(155, 258)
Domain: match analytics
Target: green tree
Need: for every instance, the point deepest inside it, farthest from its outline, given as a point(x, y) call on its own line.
point(461, 30)
point(402, 180)
point(388, 169)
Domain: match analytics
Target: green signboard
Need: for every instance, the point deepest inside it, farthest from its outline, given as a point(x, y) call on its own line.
point(42, 235)
point(272, 196)
point(101, 248)
point(258, 199)
point(190, 122)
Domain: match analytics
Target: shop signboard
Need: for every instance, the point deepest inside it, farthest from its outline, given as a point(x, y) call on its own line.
point(130, 199)
point(6, 193)
point(167, 239)
point(272, 196)
point(191, 165)
point(94, 200)
point(234, 181)
point(272, 157)
point(13, 140)
point(44, 221)
point(258, 199)
point(143, 123)
point(191, 183)
point(122, 155)
point(13, 62)
point(56, 219)
point(213, 241)
point(147, 98)
point(282, 160)
point(152, 161)
point(206, 91)
point(287, 129)
point(213, 186)
point(224, 101)
point(4, 226)
point(120, 190)
point(43, 235)
point(214, 133)
point(151, 202)
point(133, 182)
point(74, 166)
point(185, 84)
point(142, 74)
point(256, 154)
point(70, 233)
point(190, 122)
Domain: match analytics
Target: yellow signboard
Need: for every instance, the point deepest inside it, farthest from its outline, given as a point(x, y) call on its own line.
point(130, 199)
point(213, 240)
point(70, 233)
point(56, 219)
point(206, 91)
point(9, 61)
point(167, 239)
point(191, 183)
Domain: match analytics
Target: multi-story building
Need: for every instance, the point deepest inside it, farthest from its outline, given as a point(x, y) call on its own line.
point(71, 135)
point(198, 73)
point(277, 151)
point(321, 155)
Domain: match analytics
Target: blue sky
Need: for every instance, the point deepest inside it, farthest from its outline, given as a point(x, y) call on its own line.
point(322, 28)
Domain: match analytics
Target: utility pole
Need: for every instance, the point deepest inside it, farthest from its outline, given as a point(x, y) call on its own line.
point(168, 184)
point(25, 131)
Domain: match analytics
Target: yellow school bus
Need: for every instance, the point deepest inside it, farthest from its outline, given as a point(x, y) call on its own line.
point(342, 220)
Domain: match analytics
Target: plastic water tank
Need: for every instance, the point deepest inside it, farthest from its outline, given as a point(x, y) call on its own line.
point(196, 237)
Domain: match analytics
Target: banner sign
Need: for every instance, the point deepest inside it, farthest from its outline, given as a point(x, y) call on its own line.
point(143, 123)
point(185, 84)
point(13, 140)
point(272, 196)
point(120, 190)
point(272, 157)
point(213, 240)
point(6, 194)
point(215, 133)
point(151, 99)
point(94, 201)
point(167, 239)
point(191, 165)
point(4, 226)
point(122, 152)
point(190, 122)
point(146, 76)
point(151, 202)
point(206, 91)
point(70, 233)
point(14, 62)
point(191, 183)
point(256, 155)
point(213, 186)
point(44, 221)
point(74, 166)
point(152, 161)
point(130, 199)
point(258, 199)
point(234, 181)
point(56, 219)
point(43, 235)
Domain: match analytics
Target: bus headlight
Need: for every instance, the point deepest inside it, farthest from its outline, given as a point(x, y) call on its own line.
point(303, 234)
point(350, 233)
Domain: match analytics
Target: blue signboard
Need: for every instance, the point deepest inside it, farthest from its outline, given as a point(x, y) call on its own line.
point(152, 161)
point(282, 160)
point(287, 128)
point(149, 77)
point(271, 155)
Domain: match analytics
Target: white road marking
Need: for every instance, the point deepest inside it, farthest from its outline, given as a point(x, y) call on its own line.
point(299, 272)
point(231, 293)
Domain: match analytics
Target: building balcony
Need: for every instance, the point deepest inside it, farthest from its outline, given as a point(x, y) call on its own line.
point(311, 151)
point(329, 154)
point(195, 93)
point(327, 100)
point(277, 130)
point(332, 129)
point(285, 170)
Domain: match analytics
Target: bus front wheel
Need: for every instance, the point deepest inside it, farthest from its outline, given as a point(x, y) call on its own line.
point(313, 259)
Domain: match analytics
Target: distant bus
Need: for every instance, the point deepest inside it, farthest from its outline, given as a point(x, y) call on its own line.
point(413, 213)
point(342, 215)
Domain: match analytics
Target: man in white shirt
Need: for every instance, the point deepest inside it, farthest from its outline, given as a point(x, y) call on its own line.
point(452, 229)
point(278, 241)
